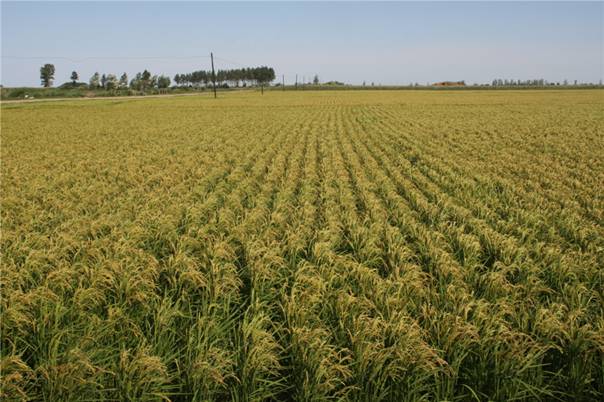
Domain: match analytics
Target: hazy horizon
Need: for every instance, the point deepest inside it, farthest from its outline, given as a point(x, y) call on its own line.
point(385, 43)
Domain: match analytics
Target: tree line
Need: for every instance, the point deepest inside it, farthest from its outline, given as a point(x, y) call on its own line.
point(145, 80)
point(540, 82)
point(141, 81)
point(235, 77)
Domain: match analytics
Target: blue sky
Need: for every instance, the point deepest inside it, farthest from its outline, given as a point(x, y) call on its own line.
point(387, 43)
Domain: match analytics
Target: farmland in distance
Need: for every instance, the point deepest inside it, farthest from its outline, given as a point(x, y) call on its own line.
point(307, 246)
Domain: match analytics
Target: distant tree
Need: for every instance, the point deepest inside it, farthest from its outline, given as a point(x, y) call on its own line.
point(137, 82)
point(94, 81)
point(198, 77)
point(565, 82)
point(47, 75)
point(364, 83)
point(263, 75)
point(111, 82)
point(145, 80)
point(163, 82)
point(74, 77)
point(315, 80)
point(153, 82)
point(123, 81)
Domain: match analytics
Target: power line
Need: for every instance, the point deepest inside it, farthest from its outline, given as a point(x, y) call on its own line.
point(106, 58)
point(230, 61)
point(92, 58)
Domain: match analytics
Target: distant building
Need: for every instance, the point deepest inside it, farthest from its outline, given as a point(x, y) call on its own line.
point(450, 84)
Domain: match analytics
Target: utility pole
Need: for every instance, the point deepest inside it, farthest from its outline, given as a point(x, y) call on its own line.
point(213, 74)
point(283, 81)
point(296, 81)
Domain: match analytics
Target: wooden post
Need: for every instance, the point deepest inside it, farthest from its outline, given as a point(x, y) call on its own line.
point(213, 74)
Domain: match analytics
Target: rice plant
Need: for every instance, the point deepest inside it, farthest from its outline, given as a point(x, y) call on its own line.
point(306, 246)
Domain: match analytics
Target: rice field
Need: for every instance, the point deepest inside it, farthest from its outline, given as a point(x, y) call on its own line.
point(304, 246)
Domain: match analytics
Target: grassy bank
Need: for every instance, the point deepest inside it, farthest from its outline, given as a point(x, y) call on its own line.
point(46, 93)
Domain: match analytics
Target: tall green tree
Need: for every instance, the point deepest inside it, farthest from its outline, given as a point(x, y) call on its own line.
point(74, 78)
point(111, 82)
point(124, 81)
point(263, 75)
point(136, 82)
point(47, 75)
point(163, 82)
point(94, 81)
point(145, 80)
